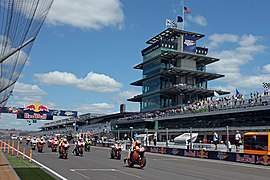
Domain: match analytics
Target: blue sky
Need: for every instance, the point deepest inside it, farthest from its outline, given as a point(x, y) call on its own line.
point(84, 55)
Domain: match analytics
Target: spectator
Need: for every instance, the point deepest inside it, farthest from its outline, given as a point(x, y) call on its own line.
point(238, 140)
point(215, 139)
point(229, 145)
point(155, 139)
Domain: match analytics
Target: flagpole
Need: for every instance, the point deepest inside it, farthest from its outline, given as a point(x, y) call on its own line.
point(183, 15)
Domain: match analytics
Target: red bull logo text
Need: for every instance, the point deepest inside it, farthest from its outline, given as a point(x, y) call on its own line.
point(245, 159)
point(190, 153)
point(35, 116)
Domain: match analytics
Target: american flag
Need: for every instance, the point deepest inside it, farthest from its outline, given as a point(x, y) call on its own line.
point(187, 10)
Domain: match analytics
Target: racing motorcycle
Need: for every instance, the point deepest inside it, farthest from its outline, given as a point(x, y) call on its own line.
point(87, 147)
point(116, 151)
point(28, 139)
point(54, 145)
point(40, 145)
point(79, 149)
point(20, 139)
point(33, 144)
point(63, 153)
point(136, 158)
point(50, 142)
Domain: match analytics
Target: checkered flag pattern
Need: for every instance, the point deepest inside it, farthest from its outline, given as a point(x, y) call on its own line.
point(266, 85)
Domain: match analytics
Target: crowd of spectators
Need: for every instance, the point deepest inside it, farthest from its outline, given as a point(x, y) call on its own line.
point(207, 105)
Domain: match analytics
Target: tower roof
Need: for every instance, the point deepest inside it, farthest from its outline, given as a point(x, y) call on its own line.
point(170, 33)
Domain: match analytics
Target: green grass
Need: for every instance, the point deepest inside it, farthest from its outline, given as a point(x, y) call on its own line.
point(26, 170)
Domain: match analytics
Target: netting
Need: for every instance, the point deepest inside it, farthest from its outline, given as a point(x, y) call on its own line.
point(20, 23)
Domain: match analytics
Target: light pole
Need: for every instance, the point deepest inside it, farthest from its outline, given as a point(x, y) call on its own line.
point(167, 137)
point(131, 134)
point(146, 139)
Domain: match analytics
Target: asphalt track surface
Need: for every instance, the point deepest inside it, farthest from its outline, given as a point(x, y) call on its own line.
point(98, 165)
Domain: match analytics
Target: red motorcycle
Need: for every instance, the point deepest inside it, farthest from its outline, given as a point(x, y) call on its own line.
point(50, 142)
point(63, 152)
point(40, 146)
point(116, 151)
point(54, 145)
point(136, 158)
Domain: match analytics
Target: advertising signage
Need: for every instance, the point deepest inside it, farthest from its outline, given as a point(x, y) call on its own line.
point(37, 111)
point(189, 44)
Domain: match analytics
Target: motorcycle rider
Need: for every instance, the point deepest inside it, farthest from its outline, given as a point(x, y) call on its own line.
point(54, 143)
point(136, 144)
point(28, 139)
point(33, 142)
point(78, 144)
point(87, 142)
point(41, 141)
point(63, 144)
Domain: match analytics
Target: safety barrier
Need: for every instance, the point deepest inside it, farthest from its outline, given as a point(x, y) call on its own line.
point(5, 146)
point(206, 154)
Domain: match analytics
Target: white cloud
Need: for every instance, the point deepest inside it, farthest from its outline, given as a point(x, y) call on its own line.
point(218, 39)
point(122, 97)
point(93, 82)
point(57, 78)
point(266, 68)
point(199, 19)
point(100, 108)
point(28, 89)
point(231, 60)
point(86, 14)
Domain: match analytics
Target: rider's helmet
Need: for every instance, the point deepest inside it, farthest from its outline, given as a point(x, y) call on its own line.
point(138, 142)
point(65, 140)
point(80, 139)
point(55, 139)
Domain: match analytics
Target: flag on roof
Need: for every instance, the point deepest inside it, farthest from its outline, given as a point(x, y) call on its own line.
point(237, 92)
point(168, 22)
point(216, 94)
point(173, 24)
point(179, 19)
point(187, 10)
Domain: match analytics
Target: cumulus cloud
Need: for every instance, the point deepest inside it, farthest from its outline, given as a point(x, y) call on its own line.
point(93, 82)
point(266, 68)
point(28, 89)
point(231, 60)
point(218, 39)
point(99, 108)
point(122, 97)
point(199, 19)
point(87, 14)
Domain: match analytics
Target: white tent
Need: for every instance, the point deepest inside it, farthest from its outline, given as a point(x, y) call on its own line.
point(185, 138)
point(142, 138)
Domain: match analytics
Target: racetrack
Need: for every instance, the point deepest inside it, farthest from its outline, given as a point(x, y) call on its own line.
point(98, 165)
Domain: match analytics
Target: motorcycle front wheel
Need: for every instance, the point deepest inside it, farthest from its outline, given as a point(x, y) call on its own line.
point(142, 162)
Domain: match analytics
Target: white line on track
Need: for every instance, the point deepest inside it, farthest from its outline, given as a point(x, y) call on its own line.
point(81, 174)
point(108, 170)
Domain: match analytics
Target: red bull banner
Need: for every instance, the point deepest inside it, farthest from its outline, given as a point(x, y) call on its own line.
point(39, 111)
